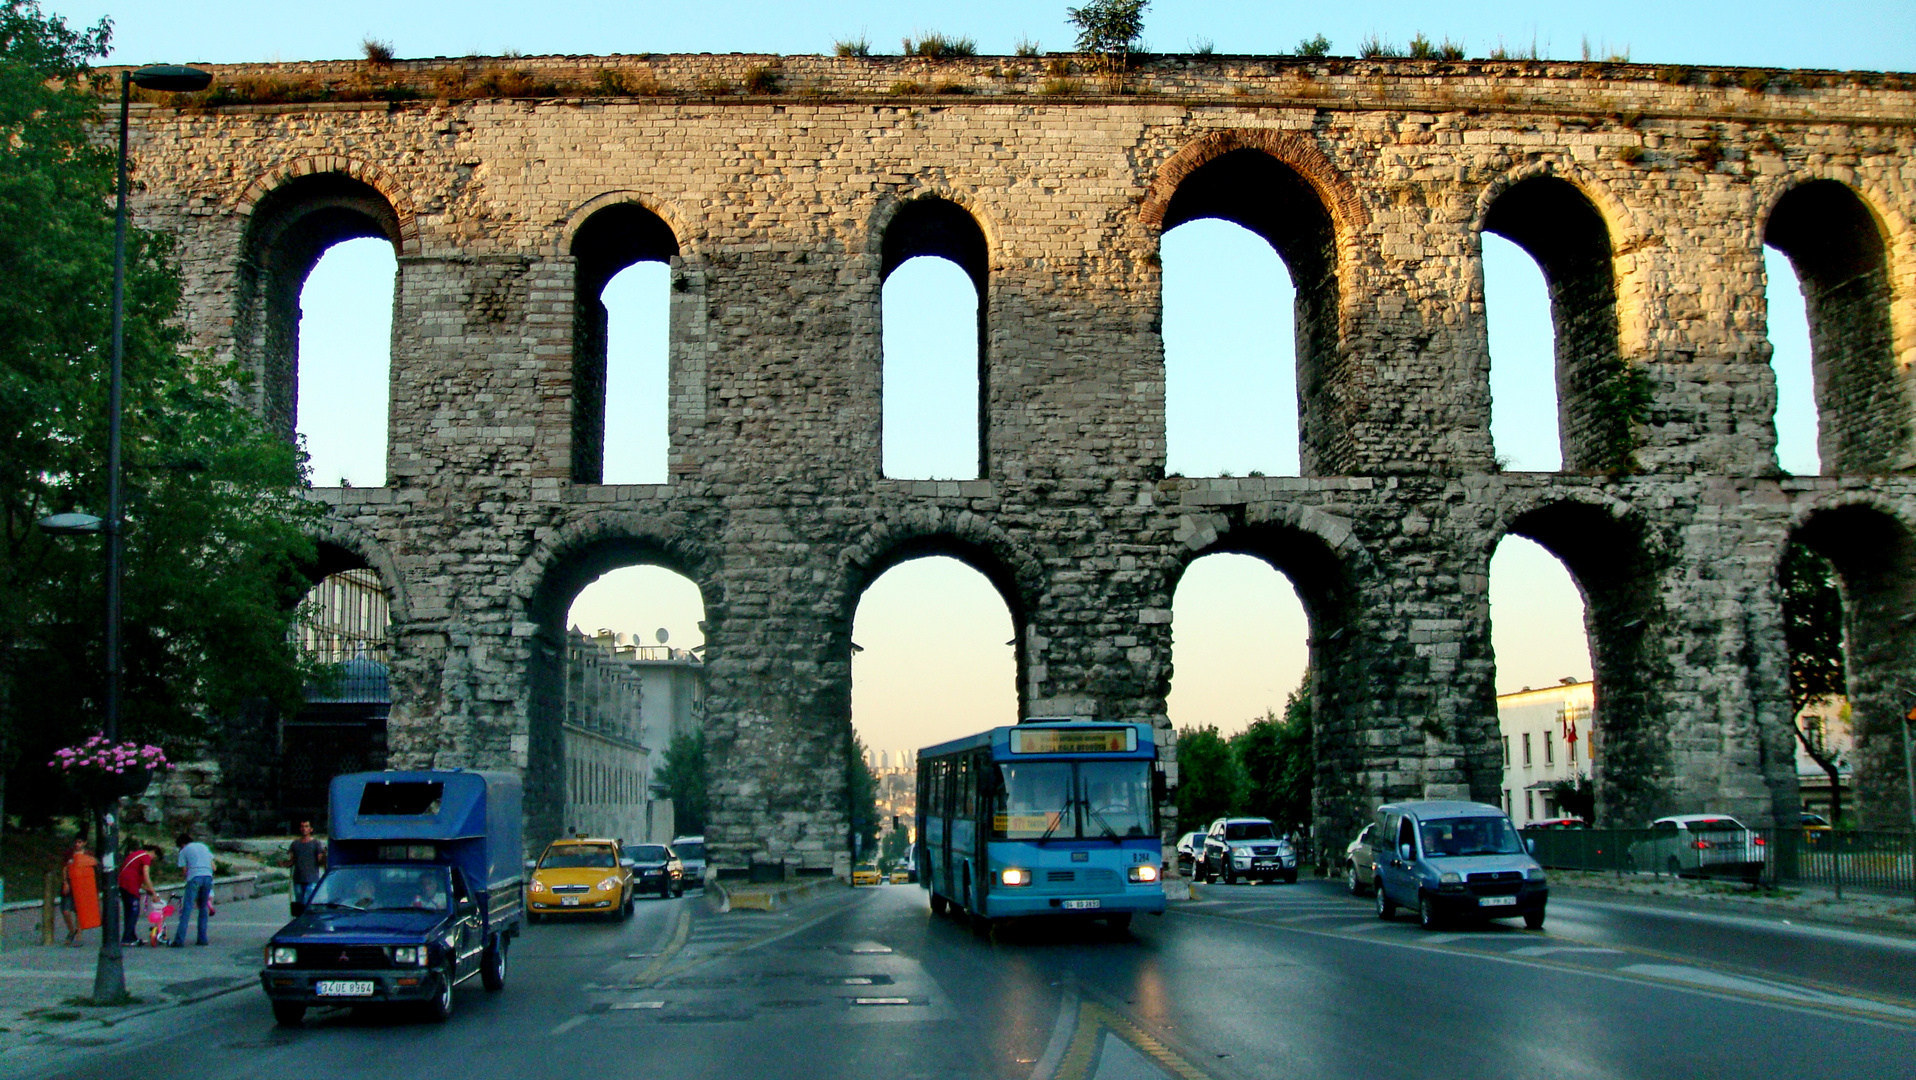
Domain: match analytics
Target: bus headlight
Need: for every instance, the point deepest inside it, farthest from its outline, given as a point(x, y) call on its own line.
point(1144, 872)
point(1014, 877)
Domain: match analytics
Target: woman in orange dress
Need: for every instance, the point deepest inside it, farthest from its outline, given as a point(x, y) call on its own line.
point(80, 891)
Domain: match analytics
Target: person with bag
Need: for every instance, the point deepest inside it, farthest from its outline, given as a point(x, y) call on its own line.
point(136, 881)
point(196, 864)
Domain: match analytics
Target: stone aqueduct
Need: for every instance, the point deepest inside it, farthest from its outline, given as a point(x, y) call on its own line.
point(1647, 197)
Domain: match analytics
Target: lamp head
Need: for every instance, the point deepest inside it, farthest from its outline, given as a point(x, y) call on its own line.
point(170, 77)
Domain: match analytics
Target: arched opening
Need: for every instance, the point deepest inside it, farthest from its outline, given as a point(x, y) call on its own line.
point(1874, 559)
point(1836, 244)
point(621, 346)
point(617, 683)
point(1523, 370)
point(1562, 230)
point(343, 626)
point(1797, 428)
point(934, 657)
point(290, 230)
point(1230, 353)
point(1240, 693)
point(935, 273)
point(1254, 190)
point(1545, 696)
point(345, 349)
point(1609, 561)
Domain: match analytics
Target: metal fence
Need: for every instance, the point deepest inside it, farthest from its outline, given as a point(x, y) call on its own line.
point(1867, 861)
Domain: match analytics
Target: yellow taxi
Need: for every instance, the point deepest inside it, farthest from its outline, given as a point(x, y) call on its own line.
point(580, 876)
point(866, 874)
point(901, 876)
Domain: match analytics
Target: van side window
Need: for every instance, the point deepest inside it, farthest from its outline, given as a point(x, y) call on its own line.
point(1406, 834)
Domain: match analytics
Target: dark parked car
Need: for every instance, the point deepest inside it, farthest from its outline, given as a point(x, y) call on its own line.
point(655, 869)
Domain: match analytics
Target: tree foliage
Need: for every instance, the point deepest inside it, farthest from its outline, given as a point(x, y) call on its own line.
point(1109, 29)
point(1210, 781)
point(215, 528)
point(861, 797)
point(683, 772)
point(1813, 633)
point(1279, 764)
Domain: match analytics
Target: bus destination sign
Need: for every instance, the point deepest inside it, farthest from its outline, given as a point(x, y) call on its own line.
point(1074, 740)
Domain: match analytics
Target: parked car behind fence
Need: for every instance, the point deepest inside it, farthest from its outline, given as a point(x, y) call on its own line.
point(1871, 861)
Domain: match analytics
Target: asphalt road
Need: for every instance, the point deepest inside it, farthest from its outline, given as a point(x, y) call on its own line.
point(1270, 981)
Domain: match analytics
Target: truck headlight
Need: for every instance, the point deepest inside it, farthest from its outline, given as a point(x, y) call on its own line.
point(1014, 877)
point(409, 956)
point(1144, 872)
point(281, 955)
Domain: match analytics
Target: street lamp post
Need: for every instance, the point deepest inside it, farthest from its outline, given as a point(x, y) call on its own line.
point(109, 977)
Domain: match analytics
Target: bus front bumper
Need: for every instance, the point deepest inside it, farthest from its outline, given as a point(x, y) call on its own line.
point(1011, 904)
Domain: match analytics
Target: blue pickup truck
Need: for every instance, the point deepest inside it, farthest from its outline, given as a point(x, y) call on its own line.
point(423, 890)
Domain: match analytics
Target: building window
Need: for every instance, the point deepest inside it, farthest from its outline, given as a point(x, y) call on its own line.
point(1526, 750)
point(1549, 750)
point(1529, 800)
point(1506, 756)
point(1507, 806)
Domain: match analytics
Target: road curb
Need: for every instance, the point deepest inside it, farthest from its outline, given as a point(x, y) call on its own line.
point(775, 897)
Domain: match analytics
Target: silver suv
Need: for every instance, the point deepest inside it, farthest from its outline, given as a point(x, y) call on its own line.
point(1455, 859)
point(1248, 849)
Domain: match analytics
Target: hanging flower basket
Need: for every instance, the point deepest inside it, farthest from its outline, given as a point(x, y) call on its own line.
point(102, 771)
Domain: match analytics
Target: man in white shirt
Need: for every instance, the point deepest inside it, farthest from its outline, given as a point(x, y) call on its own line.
point(195, 861)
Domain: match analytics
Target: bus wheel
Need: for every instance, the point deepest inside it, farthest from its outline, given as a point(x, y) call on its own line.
point(981, 925)
point(938, 904)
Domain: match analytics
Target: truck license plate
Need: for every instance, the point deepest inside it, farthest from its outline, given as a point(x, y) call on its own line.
point(1080, 905)
point(568, 901)
point(343, 988)
point(1496, 901)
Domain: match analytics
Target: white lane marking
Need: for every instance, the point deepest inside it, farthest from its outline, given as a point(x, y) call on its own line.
point(569, 1025)
point(1061, 1033)
point(1716, 980)
point(1552, 950)
point(1440, 939)
point(881, 1001)
point(1363, 927)
point(637, 1005)
point(1853, 937)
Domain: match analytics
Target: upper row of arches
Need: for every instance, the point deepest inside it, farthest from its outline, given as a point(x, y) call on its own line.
point(1296, 205)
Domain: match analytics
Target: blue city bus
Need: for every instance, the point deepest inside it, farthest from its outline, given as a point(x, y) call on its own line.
point(1050, 817)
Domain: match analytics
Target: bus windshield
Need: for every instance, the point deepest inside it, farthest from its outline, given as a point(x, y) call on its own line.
point(1058, 800)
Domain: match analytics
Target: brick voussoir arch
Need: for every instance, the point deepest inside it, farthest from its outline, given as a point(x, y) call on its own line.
point(1296, 149)
point(675, 548)
point(664, 209)
point(889, 204)
point(1626, 227)
point(348, 537)
point(386, 185)
point(981, 544)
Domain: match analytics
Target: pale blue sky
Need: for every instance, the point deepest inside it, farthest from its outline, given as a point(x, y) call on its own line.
point(932, 630)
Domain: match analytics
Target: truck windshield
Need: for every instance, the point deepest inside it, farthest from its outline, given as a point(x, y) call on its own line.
point(383, 888)
point(1470, 836)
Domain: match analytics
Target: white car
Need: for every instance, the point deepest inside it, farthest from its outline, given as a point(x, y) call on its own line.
point(1701, 845)
point(1190, 849)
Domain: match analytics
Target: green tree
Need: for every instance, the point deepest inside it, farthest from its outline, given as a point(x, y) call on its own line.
point(895, 850)
point(1813, 633)
point(684, 775)
point(1576, 798)
point(861, 799)
point(1210, 781)
point(1279, 763)
point(1108, 30)
point(215, 528)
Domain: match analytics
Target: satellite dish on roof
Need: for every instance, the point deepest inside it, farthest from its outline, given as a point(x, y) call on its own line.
point(662, 636)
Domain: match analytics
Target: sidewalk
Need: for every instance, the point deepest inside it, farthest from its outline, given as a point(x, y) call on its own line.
point(40, 983)
point(1870, 911)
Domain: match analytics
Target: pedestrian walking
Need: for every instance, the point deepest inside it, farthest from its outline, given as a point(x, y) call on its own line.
point(136, 881)
point(307, 857)
point(79, 891)
point(195, 861)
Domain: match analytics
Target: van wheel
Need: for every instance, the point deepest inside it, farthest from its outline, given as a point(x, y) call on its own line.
point(439, 1009)
point(1386, 907)
point(1533, 920)
point(492, 963)
point(288, 1013)
point(1427, 912)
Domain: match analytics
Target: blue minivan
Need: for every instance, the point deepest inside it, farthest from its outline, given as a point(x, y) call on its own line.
point(1462, 860)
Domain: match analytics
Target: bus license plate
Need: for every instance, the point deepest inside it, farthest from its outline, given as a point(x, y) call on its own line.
point(1496, 901)
point(1080, 905)
point(343, 988)
point(568, 901)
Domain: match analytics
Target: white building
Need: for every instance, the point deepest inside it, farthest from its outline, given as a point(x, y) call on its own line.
point(624, 705)
point(1546, 739)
